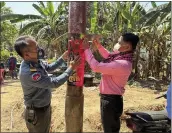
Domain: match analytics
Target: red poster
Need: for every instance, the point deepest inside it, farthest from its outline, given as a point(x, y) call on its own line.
point(75, 48)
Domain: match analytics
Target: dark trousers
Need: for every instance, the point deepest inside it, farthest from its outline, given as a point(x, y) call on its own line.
point(13, 74)
point(41, 122)
point(111, 111)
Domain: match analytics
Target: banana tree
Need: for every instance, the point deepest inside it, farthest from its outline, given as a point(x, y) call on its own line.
point(50, 25)
point(153, 14)
point(157, 21)
point(46, 22)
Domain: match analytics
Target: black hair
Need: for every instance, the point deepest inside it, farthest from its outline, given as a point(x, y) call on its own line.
point(131, 38)
point(21, 44)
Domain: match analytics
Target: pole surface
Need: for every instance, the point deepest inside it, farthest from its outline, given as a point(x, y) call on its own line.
point(74, 103)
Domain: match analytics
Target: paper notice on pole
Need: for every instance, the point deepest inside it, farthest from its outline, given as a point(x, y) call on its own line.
point(74, 49)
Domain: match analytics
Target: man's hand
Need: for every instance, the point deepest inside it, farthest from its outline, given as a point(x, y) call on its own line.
point(85, 44)
point(96, 41)
point(73, 64)
point(65, 56)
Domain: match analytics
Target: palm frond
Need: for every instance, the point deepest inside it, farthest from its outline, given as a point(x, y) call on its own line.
point(153, 19)
point(42, 4)
point(26, 17)
point(10, 16)
point(28, 26)
point(60, 37)
point(50, 7)
point(153, 4)
point(135, 9)
point(40, 10)
point(44, 31)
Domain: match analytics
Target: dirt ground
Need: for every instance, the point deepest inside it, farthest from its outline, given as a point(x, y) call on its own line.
point(12, 107)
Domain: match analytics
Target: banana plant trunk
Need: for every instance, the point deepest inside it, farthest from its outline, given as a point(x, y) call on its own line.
point(74, 103)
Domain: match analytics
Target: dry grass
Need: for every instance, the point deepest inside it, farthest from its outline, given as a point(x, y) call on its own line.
point(135, 99)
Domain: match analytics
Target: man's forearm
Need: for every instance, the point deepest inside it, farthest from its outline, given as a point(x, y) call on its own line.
point(104, 52)
point(53, 66)
point(58, 81)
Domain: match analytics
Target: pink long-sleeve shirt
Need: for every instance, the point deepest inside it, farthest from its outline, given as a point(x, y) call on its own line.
point(114, 74)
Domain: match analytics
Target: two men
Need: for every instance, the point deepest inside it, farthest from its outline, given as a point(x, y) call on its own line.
point(115, 70)
point(36, 83)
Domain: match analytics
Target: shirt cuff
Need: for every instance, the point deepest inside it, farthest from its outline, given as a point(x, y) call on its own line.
point(88, 54)
point(61, 59)
point(86, 50)
point(99, 46)
point(69, 71)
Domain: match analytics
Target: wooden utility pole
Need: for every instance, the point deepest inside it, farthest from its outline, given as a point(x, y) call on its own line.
point(74, 103)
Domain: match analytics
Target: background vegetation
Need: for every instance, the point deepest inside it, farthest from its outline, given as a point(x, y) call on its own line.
point(110, 19)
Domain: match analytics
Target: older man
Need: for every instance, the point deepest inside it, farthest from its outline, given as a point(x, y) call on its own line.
point(36, 83)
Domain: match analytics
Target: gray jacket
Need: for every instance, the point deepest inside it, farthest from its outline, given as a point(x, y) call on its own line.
point(36, 83)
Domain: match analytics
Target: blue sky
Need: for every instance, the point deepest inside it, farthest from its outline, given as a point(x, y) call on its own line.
point(23, 7)
point(26, 7)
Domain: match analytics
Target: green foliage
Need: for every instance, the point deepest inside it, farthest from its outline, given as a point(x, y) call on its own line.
point(153, 4)
point(53, 22)
point(8, 31)
point(110, 19)
point(50, 25)
point(5, 55)
point(2, 4)
point(153, 28)
point(94, 17)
